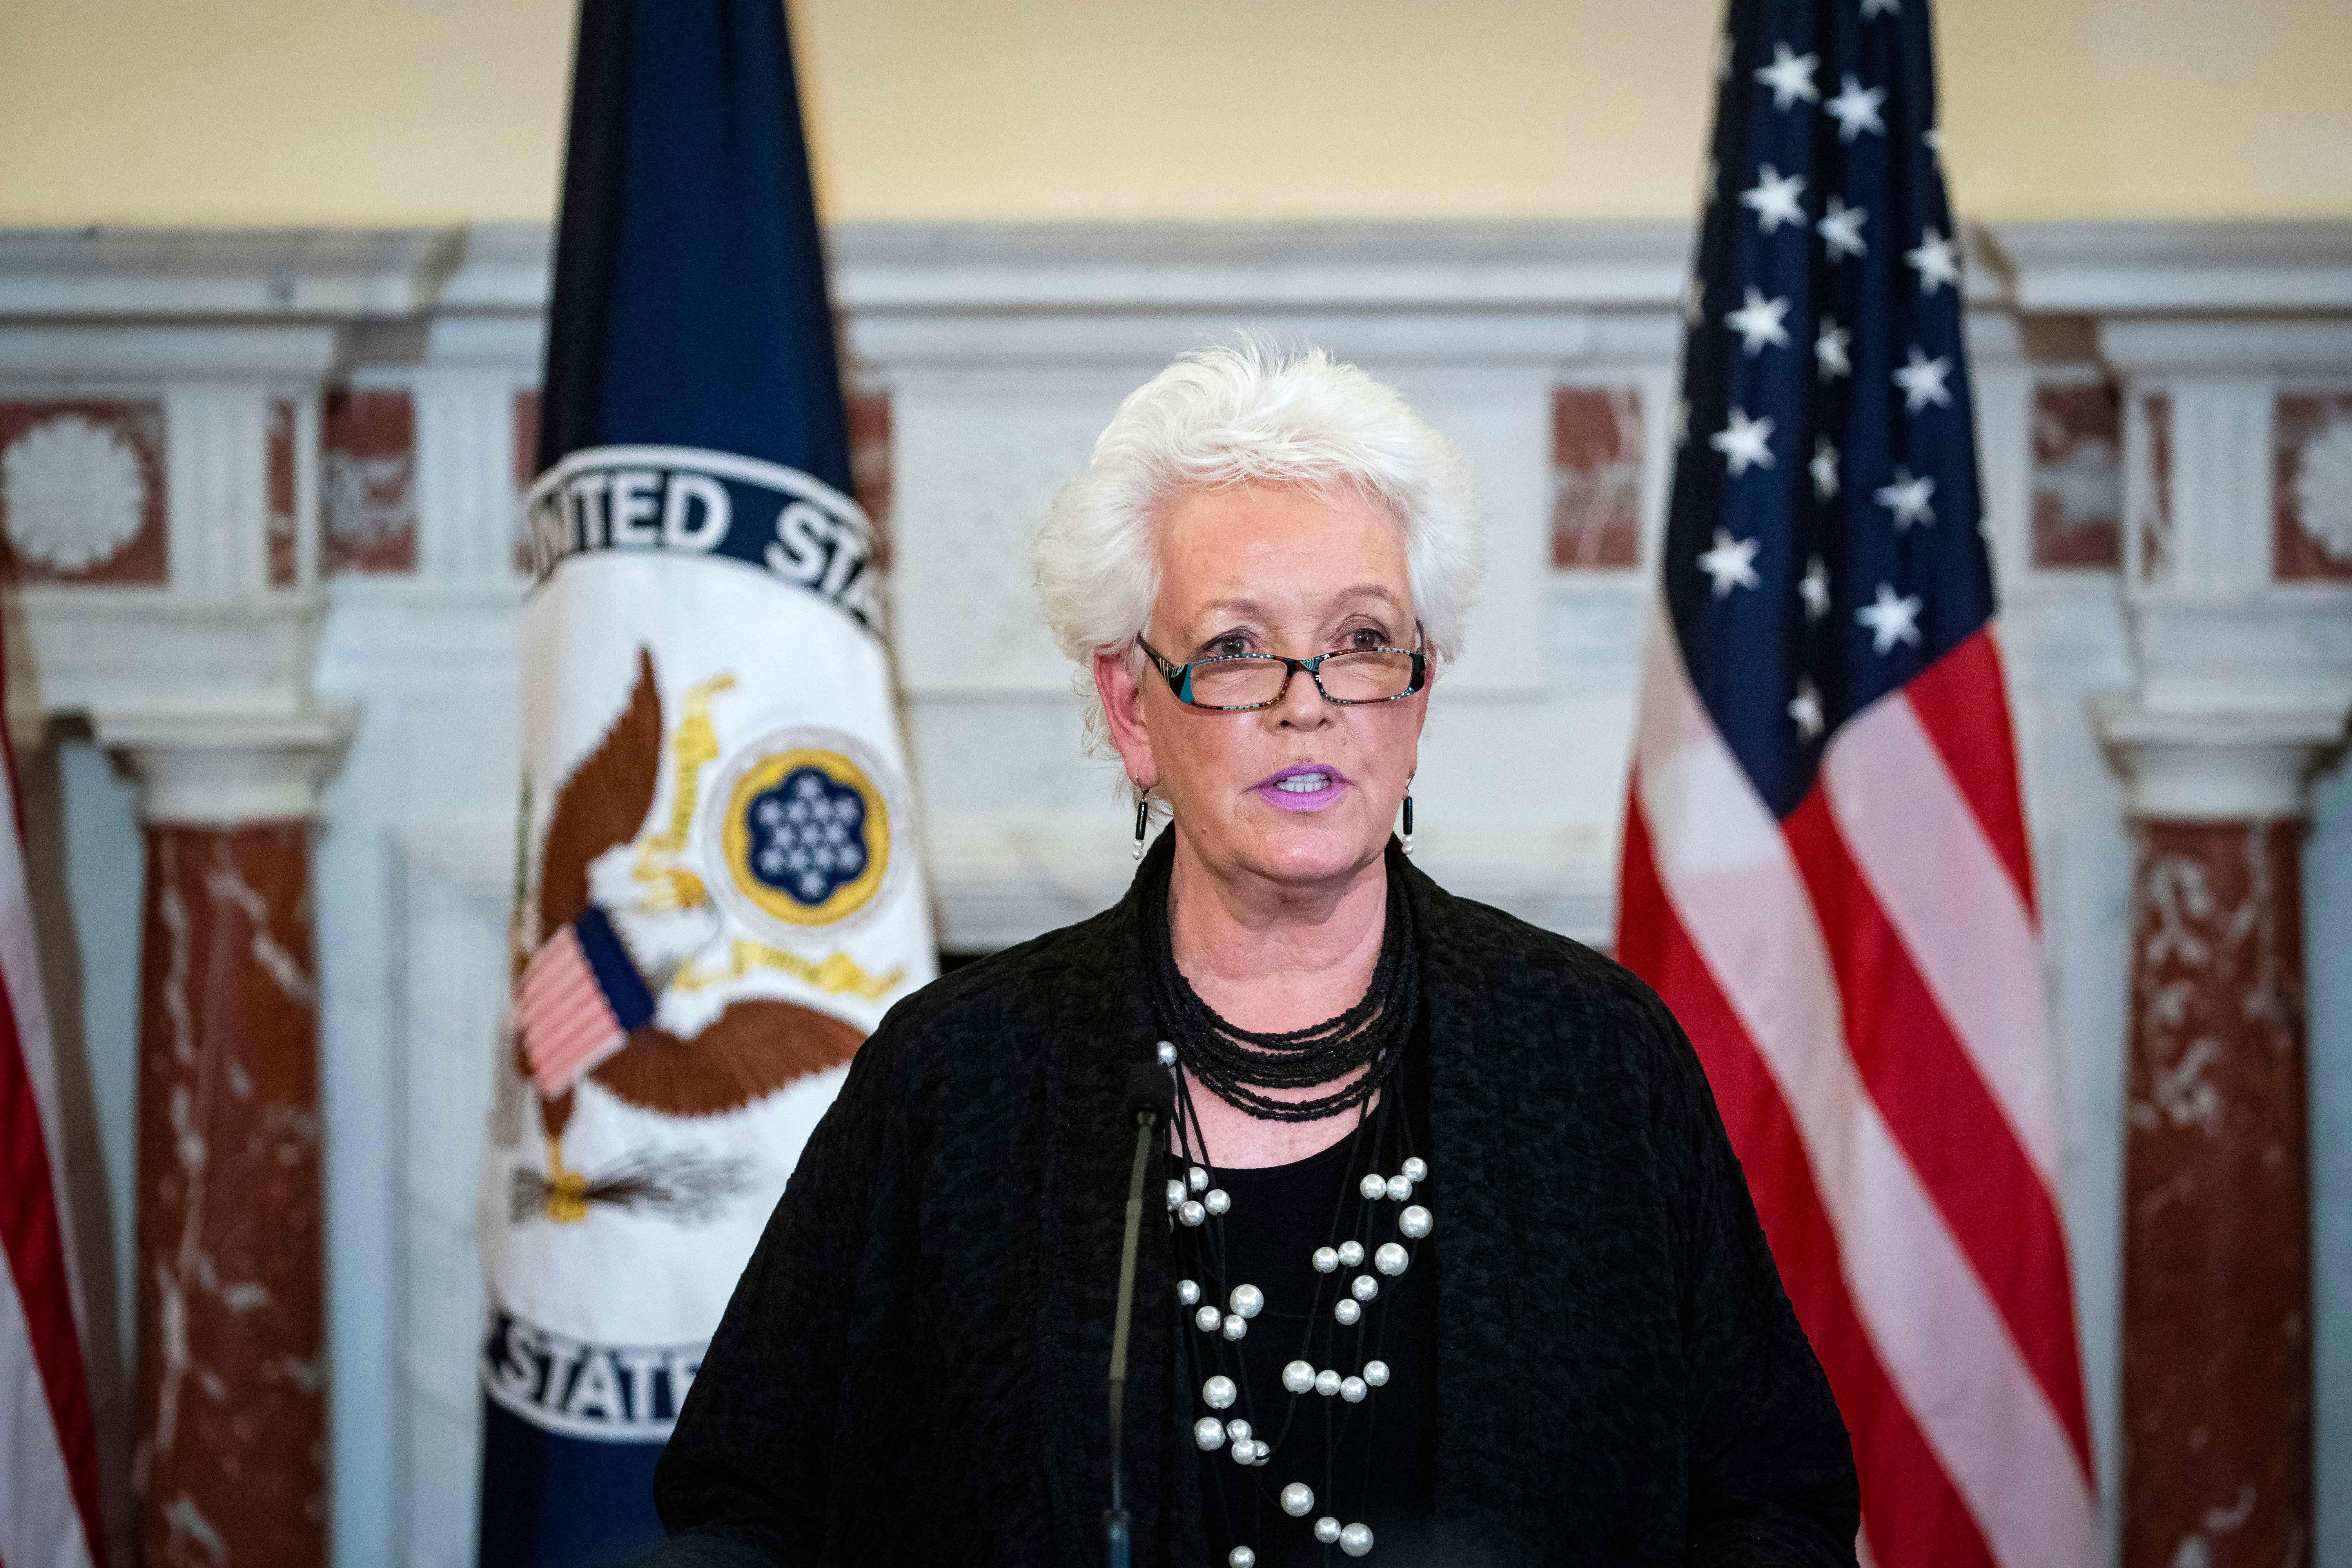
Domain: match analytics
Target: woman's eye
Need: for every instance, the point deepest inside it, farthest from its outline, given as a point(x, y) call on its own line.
point(1365, 637)
point(1228, 647)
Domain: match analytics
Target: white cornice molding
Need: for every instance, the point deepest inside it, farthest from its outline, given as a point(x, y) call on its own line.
point(115, 351)
point(169, 272)
point(501, 266)
point(2171, 346)
point(1297, 266)
point(2107, 268)
point(2138, 267)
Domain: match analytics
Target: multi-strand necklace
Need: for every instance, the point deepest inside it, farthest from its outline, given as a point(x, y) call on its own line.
point(1362, 1046)
point(1335, 1368)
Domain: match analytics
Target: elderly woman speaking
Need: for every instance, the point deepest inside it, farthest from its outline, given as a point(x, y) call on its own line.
point(1447, 1257)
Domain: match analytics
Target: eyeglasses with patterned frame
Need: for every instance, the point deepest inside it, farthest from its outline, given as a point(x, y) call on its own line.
point(1369, 672)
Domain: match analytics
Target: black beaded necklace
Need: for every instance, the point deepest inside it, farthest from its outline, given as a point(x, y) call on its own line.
point(1235, 1064)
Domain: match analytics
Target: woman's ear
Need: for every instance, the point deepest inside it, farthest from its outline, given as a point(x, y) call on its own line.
point(1122, 700)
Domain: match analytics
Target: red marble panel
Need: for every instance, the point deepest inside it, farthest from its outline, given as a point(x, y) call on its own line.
point(526, 468)
point(370, 482)
point(2078, 475)
point(283, 522)
point(2156, 522)
point(1596, 471)
point(869, 462)
point(2312, 492)
point(2217, 1218)
point(81, 492)
point(230, 1466)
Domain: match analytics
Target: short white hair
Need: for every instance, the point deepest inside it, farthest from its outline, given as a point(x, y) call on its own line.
point(1250, 413)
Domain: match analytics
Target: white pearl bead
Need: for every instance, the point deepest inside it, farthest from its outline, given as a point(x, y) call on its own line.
point(1365, 1288)
point(1352, 1390)
point(1166, 1053)
point(1242, 1557)
point(1199, 1178)
point(1355, 1540)
point(1414, 1222)
point(1390, 1259)
point(1346, 1311)
point(1297, 1497)
point(1217, 1393)
point(1239, 1431)
point(1187, 1291)
point(1325, 1260)
point(1210, 1433)
point(1373, 1186)
point(1191, 1213)
point(1249, 1300)
point(1327, 1383)
point(1175, 1191)
point(1327, 1530)
point(1217, 1201)
point(1350, 1254)
point(1208, 1317)
point(1298, 1377)
point(1399, 1189)
point(1235, 1326)
point(1376, 1373)
point(1416, 1170)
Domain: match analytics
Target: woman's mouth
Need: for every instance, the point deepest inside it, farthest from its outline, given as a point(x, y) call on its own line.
point(1305, 787)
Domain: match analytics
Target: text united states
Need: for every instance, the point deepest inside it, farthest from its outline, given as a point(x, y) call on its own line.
point(687, 502)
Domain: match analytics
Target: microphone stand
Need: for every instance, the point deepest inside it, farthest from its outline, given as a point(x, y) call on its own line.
point(1115, 1522)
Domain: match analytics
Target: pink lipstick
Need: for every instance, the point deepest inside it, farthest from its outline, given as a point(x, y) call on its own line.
point(1303, 786)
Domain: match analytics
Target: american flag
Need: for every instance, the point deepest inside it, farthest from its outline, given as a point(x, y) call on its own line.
point(1825, 868)
point(48, 1451)
point(580, 996)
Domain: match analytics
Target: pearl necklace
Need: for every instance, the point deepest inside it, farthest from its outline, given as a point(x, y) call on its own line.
point(1199, 1207)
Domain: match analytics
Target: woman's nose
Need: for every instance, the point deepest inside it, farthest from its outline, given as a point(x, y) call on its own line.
point(1302, 706)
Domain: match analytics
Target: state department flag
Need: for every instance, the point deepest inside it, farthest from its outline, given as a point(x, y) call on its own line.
point(717, 894)
point(1826, 872)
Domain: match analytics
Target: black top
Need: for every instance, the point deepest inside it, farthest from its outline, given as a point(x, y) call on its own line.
point(912, 1368)
point(1367, 1461)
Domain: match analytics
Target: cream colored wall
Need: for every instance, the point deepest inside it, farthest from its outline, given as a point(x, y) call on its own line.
point(404, 111)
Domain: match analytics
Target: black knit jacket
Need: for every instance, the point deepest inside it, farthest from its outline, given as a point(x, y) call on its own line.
point(911, 1371)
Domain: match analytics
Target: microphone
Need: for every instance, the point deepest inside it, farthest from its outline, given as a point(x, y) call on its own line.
point(1150, 1101)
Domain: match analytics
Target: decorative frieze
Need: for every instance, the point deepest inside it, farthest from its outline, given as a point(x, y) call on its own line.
point(82, 492)
point(1597, 451)
point(2078, 471)
point(370, 482)
point(2313, 487)
point(525, 468)
point(869, 462)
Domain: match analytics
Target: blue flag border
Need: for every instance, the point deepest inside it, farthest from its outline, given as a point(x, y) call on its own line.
point(775, 518)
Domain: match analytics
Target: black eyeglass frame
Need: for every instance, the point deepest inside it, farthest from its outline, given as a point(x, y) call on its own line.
point(1179, 676)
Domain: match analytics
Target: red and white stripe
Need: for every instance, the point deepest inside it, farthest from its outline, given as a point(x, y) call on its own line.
point(1863, 982)
point(568, 1026)
point(48, 1453)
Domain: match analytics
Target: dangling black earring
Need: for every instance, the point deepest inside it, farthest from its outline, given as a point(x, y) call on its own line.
point(1143, 822)
point(1408, 817)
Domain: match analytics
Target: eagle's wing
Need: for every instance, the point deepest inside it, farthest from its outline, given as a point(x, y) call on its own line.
point(603, 802)
point(752, 1048)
